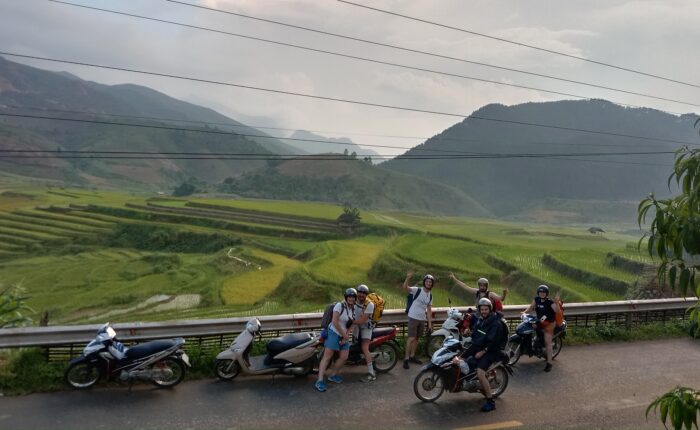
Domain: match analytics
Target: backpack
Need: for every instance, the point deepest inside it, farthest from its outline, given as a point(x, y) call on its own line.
point(504, 334)
point(326, 320)
point(559, 316)
point(378, 306)
point(410, 298)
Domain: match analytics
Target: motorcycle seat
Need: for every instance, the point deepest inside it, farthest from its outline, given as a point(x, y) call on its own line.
point(379, 332)
point(148, 348)
point(281, 344)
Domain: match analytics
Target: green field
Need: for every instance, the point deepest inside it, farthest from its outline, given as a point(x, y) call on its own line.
point(84, 256)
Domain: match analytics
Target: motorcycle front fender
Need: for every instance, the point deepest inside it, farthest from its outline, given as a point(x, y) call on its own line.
point(84, 359)
point(441, 332)
point(226, 354)
point(515, 338)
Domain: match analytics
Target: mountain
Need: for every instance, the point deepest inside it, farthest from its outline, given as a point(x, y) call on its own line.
point(524, 187)
point(32, 91)
point(352, 181)
point(309, 145)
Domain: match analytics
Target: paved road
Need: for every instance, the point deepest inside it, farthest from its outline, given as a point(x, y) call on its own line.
point(600, 386)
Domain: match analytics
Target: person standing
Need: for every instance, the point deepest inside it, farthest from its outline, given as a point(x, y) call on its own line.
point(338, 335)
point(363, 326)
point(419, 312)
point(482, 292)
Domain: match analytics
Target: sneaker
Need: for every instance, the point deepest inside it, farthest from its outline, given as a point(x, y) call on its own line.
point(548, 367)
point(336, 378)
point(405, 364)
point(320, 386)
point(415, 360)
point(368, 378)
point(489, 405)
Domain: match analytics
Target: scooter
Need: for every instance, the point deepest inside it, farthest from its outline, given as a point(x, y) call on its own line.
point(293, 354)
point(383, 348)
point(442, 374)
point(529, 340)
point(454, 326)
point(161, 362)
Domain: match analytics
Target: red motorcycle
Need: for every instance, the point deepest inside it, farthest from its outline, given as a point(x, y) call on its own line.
point(383, 348)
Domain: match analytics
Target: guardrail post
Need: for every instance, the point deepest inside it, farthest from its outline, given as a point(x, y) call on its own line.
point(628, 321)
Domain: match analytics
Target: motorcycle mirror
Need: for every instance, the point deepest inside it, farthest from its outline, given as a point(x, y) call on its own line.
point(449, 301)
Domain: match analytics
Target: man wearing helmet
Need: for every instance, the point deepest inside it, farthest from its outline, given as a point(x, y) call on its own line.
point(488, 335)
point(363, 326)
point(420, 311)
point(338, 334)
point(482, 291)
point(546, 310)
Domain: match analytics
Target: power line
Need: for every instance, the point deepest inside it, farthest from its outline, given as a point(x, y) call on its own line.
point(386, 62)
point(341, 100)
point(224, 124)
point(500, 39)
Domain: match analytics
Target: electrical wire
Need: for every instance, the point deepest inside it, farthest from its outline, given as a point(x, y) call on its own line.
point(538, 48)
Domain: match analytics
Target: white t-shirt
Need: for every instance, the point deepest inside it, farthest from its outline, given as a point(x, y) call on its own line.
point(345, 314)
point(366, 308)
point(419, 308)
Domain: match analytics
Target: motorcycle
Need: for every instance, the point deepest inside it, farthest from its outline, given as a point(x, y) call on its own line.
point(529, 340)
point(161, 362)
point(442, 374)
point(383, 348)
point(293, 354)
point(454, 326)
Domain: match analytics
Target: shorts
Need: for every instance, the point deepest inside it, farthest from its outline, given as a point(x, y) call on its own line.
point(415, 327)
point(362, 333)
point(333, 342)
point(485, 361)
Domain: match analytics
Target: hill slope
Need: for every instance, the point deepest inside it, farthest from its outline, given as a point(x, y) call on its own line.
point(511, 186)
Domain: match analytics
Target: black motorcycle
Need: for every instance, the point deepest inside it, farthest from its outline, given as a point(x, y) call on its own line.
point(161, 362)
point(530, 341)
point(442, 374)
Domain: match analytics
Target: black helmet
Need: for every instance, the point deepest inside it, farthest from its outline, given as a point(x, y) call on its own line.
point(350, 292)
point(426, 277)
point(543, 289)
point(362, 288)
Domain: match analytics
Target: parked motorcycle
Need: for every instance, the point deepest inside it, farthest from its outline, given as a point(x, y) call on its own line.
point(454, 326)
point(293, 354)
point(383, 348)
point(529, 340)
point(441, 374)
point(161, 362)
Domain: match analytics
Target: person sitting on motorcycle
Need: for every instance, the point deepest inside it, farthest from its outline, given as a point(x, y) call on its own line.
point(338, 335)
point(364, 325)
point(546, 310)
point(486, 347)
point(483, 290)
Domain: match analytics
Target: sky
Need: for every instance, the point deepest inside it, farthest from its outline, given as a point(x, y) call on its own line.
point(657, 37)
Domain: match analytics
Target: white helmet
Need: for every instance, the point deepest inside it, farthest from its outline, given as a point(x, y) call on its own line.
point(454, 313)
point(253, 326)
point(485, 302)
point(482, 281)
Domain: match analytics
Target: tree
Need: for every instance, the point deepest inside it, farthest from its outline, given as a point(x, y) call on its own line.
point(185, 189)
point(674, 238)
point(350, 217)
point(13, 307)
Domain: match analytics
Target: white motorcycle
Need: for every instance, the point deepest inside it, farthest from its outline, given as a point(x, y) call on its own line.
point(293, 354)
point(453, 327)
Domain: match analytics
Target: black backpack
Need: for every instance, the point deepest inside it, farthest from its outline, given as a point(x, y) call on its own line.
point(504, 333)
point(327, 316)
point(410, 298)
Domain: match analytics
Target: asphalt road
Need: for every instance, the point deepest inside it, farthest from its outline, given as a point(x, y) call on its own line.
point(601, 386)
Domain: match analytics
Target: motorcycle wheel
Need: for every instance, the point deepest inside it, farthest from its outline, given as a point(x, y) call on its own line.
point(498, 379)
point(514, 351)
point(386, 359)
point(434, 343)
point(175, 376)
point(557, 344)
point(226, 370)
point(82, 375)
point(428, 385)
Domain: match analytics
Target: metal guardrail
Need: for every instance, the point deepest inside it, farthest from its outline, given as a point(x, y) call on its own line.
point(80, 334)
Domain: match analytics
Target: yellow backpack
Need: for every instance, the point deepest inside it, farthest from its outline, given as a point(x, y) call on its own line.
point(378, 306)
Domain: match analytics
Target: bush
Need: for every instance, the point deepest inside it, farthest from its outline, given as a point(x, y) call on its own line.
point(28, 371)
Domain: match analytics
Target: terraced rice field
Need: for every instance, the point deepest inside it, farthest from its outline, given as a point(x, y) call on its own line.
point(345, 263)
point(594, 262)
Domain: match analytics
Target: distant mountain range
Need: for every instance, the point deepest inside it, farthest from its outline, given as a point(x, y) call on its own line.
point(309, 144)
point(518, 170)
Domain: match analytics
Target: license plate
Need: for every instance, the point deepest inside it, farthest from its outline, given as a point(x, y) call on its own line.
point(186, 359)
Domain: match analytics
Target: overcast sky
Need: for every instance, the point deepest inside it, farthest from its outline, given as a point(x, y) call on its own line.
point(658, 37)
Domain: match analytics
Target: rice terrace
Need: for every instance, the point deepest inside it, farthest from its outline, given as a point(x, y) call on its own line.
point(80, 253)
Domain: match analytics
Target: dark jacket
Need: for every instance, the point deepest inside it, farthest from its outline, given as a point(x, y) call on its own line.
point(486, 333)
